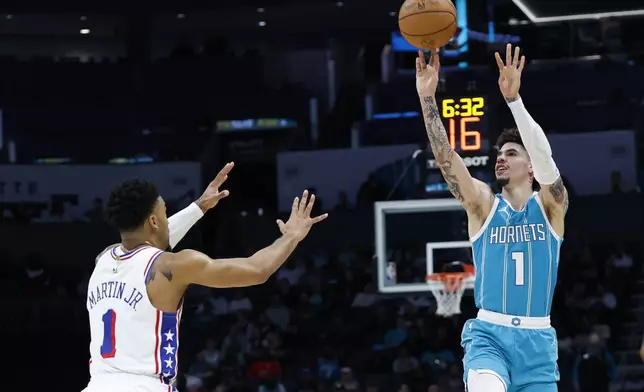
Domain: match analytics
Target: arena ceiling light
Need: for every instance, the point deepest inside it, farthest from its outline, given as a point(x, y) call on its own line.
point(549, 11)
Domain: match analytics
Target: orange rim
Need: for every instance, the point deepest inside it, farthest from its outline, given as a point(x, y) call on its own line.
point(452, 280)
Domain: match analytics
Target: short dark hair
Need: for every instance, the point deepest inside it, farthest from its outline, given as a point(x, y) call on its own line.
point(512, 135)
point(130, 203)
point(509, 135)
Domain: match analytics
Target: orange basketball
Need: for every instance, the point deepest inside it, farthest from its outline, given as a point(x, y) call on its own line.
point(427, 24)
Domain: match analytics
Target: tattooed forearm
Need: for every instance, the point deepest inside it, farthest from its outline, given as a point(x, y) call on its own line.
point(511, 99)
point(440, 145)
point(435, 130)
point(451, 179)
point(558, 192)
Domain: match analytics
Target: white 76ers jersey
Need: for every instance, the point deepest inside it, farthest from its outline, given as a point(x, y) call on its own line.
point(128, 334)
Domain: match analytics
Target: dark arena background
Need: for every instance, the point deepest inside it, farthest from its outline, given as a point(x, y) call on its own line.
point(318, 95)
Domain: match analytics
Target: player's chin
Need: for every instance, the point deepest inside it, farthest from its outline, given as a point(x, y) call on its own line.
point(502, 175)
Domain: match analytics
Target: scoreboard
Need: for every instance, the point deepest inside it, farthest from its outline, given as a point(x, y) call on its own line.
point(465, 123)
point(465, 120)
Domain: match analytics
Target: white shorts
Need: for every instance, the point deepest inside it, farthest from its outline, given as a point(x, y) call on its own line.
point(120, 382)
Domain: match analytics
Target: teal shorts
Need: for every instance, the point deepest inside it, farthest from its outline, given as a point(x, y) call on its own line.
point(525, 359)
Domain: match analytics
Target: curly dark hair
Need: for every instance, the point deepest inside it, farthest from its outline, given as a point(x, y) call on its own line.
point(130, 203)
point(512, 135)
point(509, 135)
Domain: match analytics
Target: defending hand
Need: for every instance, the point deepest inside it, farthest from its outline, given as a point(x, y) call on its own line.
point(211, 196)
point(300, 222)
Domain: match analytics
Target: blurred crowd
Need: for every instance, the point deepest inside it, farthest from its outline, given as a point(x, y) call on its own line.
point(319, 325)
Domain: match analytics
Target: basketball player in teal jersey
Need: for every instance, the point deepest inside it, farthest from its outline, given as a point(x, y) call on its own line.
point(515, 237)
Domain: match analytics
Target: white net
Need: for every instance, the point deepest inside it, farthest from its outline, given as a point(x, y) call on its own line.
point(448, 293)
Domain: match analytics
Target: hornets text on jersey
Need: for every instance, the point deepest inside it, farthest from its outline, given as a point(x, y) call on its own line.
point(516, 255)
point(132, 342)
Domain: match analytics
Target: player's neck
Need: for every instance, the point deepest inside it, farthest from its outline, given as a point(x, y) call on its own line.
point(135, 239)
point(517, 196)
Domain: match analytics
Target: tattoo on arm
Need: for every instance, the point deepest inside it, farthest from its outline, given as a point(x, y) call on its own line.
point(165, 271)
point(558, 192)
point(511, 99)
point(440, 145)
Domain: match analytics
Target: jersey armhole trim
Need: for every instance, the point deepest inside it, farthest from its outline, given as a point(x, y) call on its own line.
point(150, 264)
point(537, 198)
point(487, 221)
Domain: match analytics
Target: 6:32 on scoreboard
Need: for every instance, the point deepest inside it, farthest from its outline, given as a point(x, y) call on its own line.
point(465, 121)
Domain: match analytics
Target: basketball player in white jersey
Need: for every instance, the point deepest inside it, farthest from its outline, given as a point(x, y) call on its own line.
point(135, 293)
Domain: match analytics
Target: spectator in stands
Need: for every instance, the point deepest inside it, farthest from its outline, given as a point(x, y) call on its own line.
point(211, 353)
point(621, 259)
point(347, 381)
point(328, 367)
point(403, 388)
point(218, 305)
point(200, 370)
point(267, 374)
point(234, 346)
point(35, 278)
point(279, 314)
point(287, 292)
point(273, 345)
point(436, 356)
point(453, 380)
point(239, 303)
point(396, 336)
point(205, 314)
point(404, 363)
point(366, 298)
point(292, 274)
point(594, 368)
point(316, 297)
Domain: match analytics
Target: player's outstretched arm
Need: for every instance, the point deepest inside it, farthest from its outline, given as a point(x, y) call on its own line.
point(553, 192)
point(475, 195)
point(192, 267)
point(181, 222)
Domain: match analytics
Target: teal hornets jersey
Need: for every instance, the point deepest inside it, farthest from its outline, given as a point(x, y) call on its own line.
point(516, 255)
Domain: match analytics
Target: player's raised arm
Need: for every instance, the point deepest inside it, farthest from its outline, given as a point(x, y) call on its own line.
point(192, 267)
point(472, 193)
point(553, 193)
point(180, 223)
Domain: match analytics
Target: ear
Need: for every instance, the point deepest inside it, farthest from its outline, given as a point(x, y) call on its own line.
point(154, 223)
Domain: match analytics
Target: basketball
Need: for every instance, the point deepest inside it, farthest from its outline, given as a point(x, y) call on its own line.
point(427, 24)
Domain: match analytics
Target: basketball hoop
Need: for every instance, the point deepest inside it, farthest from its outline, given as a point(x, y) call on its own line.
point(448, 289)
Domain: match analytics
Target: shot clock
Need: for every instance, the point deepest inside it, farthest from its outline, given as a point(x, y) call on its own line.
point(464, 117)
point(465, 120)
